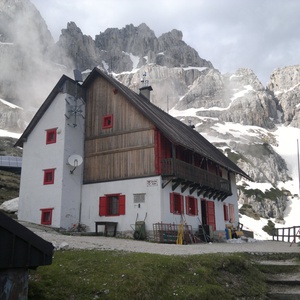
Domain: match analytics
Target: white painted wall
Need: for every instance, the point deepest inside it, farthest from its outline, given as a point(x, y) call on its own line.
point(157, 204)
point(151, 186)
point(72, 182)
point(37, 156)
point(65, 194)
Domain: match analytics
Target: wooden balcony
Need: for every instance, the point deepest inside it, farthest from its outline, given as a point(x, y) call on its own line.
point(194, 178)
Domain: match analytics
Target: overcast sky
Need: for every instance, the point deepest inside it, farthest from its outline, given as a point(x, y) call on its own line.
point(258, 34)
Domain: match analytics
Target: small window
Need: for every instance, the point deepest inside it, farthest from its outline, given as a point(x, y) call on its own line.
point(49, 176)
point(191, 206)
point(46, 216)
point(176, 204)
point(51, 136)
point(112, 205)
point(107, 121)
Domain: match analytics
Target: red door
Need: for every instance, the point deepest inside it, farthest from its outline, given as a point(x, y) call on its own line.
point(210, 214)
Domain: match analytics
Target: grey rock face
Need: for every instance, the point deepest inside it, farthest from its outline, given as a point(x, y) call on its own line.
point(26, 53)
point(238, 98)
point(12, 118)
point(285, 85)
point(77, 50)
point(167, 83)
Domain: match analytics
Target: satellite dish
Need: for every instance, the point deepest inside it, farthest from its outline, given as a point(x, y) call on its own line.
point(75, 160)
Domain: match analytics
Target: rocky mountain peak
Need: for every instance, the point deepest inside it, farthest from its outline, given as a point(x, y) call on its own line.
point(243, 77)
point(26, 52)
point(285, 86)
point(284, 79)
point(26, 26)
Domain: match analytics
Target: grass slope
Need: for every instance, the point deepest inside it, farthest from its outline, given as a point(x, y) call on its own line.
point(9, 185)
point(121, 275)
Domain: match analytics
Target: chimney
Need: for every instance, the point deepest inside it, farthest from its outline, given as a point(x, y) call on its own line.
point(146, 88)
point(145, 91)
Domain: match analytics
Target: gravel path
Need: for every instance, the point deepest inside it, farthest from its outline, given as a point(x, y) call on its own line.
point(109, 243)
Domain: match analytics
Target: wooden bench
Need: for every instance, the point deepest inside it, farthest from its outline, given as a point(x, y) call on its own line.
point(106, 224)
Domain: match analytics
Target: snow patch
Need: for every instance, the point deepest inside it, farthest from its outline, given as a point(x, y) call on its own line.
point(10, 206)
point(10, 104)
point(10, 134)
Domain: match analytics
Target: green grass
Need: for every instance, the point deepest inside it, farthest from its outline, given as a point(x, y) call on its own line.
point(9, 185)
point(121, 275)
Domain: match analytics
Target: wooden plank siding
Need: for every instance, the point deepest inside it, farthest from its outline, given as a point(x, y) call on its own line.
point(126, 150)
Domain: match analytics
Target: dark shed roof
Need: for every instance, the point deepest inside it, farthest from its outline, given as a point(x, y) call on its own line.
point(20, 247)
point(176, 131)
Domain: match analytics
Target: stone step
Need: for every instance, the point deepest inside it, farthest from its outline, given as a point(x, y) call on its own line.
point(290, 262)
point(284, 291)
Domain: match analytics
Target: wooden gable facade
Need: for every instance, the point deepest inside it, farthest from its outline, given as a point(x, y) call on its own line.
point(119, 141)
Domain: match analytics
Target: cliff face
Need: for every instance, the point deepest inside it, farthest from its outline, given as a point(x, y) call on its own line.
point(184, 84)
point(285, 86)
point(27, 54)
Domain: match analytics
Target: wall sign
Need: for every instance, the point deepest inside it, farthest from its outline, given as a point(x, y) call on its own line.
point(151, 183)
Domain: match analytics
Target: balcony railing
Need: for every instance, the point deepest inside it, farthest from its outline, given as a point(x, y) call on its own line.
point(187, 172)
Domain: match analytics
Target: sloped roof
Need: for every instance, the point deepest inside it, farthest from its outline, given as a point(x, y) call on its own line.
point(20, 247)
point(176, 131)
point(173, 129)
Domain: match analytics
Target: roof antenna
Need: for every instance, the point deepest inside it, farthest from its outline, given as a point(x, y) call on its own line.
point(144, 81)
point(75, 104)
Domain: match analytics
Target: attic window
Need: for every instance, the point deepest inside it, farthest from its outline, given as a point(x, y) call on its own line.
point(51, 136)
point(107, 121)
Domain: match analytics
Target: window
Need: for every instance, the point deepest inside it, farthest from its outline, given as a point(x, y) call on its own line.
point(49, 176)
point(107, 121)
point(46, 216)
point(225, 208)
point(112, 205)
point(176, 204)
point(51, 136)
point(191, 206)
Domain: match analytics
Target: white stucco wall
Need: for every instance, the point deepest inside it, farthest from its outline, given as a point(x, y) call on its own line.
point(64, 195)
point(157, 204)
point(150, 186)
point(37, 156)
point(72, 182)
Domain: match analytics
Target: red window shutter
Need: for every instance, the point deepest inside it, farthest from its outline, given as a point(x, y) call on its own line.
point(122, 204)
point(172, 203)
point(181, 204)
point(187, 206)
point(103, 206)
point(196, 206)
